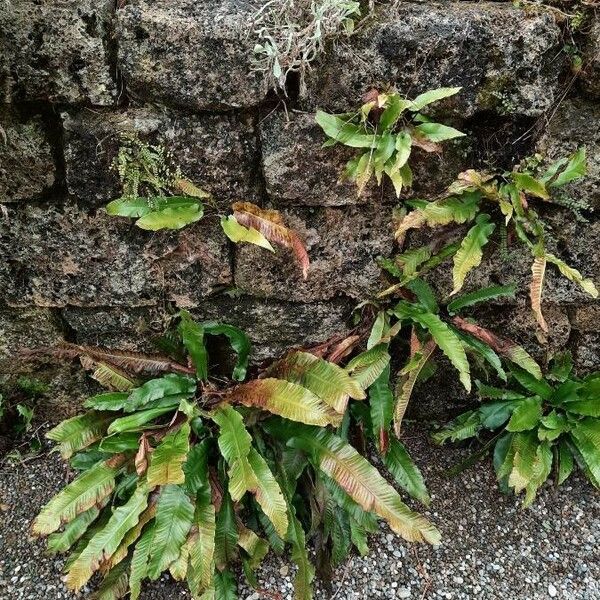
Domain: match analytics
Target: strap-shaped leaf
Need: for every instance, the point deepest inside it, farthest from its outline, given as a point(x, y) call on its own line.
point(306, 572)
point(405, 472)
point(107, 401)
point(463, 427)
point(107, 540)
point(406, 385)
point(168, 385)
point(88, 489)
point(114, 585)
point(235, 443)
point(270, 224)
point(426, 98)
point(238, 233)
point(63, 540)
point(575, 169)
point(470, 253)
point(226, 533)
point(363, 483)
point(268, 493)
point(326, 380)
point(133, 534)
point(225, 587)
point(139, 561)
point(538, 269)
point(136, 421)
point(167, 459)
point(482, 295)
point(192, 335)
point(285, 399)
point(239, 341)
point(174, 517)
point(565, 462)
point(436, 132)
point(369, 365)
point(444, 337)
point(79, 432)
point(531, 185)
point(573, 275)
point(381, 404)
point(586, 437)
point(175, 215)
point(526, 414)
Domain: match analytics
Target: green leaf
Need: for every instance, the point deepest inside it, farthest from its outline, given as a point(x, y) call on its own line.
point(225, 587)
point(195, 469)
point(106, 541)
point(226, 533)
point(115, 584)
point(235, 443)
point(539, 387)
point(155, 389)
point(286, 399)
point(299, 555)
point(128, 207)
point(86, 490)
point(136, 421)
point(586, 437)
point(526, 415)
point(381, 402)
point(488, 391)
point(495, 414)
point(477, 346)
point(79, 432)
point(384, 150)
point(573, 275)
point(565, 462)
point(343, 131)
point(367, 366)
point(238, 233)
point(174, 518)
point(202, 548)
point(481, 295)
point(463, 427)
point(405, 472)
point(107, 401)
point(168, 457)
point(62, 541)
point(121, 442)
point(362, 482)
point(470, 253)
point(445, 338)
point(575, 169)
point(530, 185)
point(561, 366)
point(326, 380)
point(422, 100)
point(192, 335)
point(422, 290)
point(172, 217)
point(139, 560)
point(268, 493)
point(238, 340)
point(437, 132)
point(394, 107)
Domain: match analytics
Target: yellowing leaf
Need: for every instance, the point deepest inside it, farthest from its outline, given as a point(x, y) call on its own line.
point(538, 269)
point(573, 275)
point(238, 233)
point(190, 189)
point(270, 224)
point(167, 459)
point(79, 432)
point(470, 253)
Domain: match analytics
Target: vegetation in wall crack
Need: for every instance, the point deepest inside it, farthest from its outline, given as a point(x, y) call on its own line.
point(159, 197)
point(514, 195)
point(385, 129)
point(540, 426)
point(192, 473)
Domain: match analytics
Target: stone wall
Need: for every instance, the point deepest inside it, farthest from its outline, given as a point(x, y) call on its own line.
point(76, 75)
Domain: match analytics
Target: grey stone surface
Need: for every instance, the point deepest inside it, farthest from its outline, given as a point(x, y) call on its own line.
point(26, 162)
point(57, 51)
point(217, 152)
point(189, 53)
point(591, 60)
point(65, 256)
point(504, 57)
point(576, 123)
point(299, 171)
point(277, 326)
point(342, 246)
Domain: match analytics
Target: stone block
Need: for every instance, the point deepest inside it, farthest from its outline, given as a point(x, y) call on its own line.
point(591, 61)
point(57, 51)
point(504, 57)
point(575, 124)
point(63, 256)
point(189, 53)
point(342, 246)
point(299, 171)
point(26, 163)
point(217, 152)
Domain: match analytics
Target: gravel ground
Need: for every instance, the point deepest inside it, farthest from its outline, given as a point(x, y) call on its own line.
point(492, 548)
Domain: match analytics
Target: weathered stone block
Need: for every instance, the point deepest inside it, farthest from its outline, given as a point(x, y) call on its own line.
point(189, 53)
point(57, 51)
point(61, 256)
point(503, 56)
point(342, 246)
point(591, 61)
point(575, 124)
point(277, 326)
point(217, 152)
point(298, 171)
point(26, 161)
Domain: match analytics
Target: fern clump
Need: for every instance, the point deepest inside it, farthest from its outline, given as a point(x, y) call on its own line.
point(538, 424)
point(192, 474)
point(386, 128)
